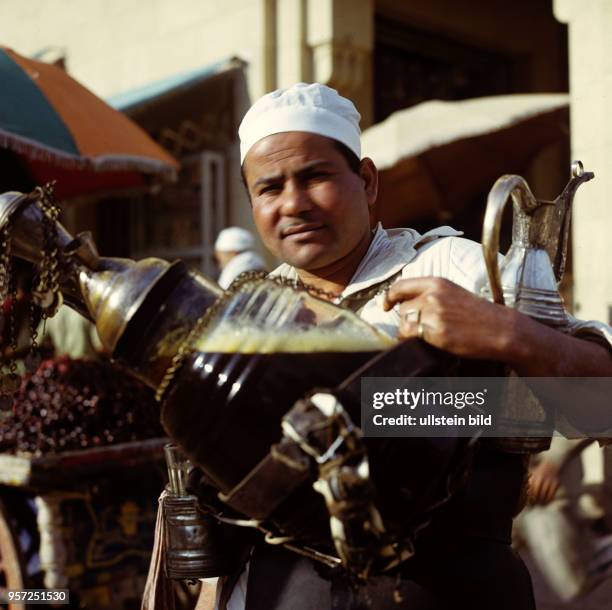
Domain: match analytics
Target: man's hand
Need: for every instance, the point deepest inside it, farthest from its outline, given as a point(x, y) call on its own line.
point(464, 324)
point(453, 319)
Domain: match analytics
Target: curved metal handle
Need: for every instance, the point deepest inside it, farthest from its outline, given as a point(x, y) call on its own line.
point(506, 186)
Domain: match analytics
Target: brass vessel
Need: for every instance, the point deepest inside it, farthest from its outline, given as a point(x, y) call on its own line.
point(142, 310)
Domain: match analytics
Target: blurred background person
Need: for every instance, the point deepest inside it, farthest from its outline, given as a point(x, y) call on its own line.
point(235, 254)
point(72, 335)
point(564, 534)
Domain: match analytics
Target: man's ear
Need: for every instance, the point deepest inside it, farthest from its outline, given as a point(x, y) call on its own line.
point(369, 175)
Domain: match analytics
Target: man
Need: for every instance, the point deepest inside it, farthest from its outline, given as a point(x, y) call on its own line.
point(235, 254)
point(312, 198)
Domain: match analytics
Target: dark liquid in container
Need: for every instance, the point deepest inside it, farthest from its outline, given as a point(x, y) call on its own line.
point(225, 409)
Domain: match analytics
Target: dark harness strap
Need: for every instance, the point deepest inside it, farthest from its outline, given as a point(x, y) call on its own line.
point(279, 474)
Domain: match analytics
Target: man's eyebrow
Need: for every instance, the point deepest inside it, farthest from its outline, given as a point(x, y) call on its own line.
point(267, 179)
point(307, 167)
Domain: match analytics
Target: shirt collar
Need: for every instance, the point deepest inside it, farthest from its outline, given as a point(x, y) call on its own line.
point(390, 250)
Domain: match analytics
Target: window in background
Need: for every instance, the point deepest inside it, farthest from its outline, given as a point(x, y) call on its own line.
point(411, 66)
point(183, 219)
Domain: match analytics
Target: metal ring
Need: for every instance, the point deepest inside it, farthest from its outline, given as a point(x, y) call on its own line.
point(421, 330)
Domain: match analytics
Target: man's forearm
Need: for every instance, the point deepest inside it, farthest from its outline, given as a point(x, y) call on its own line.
point(535, 350)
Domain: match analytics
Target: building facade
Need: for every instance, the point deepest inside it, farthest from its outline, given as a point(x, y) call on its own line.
point(384, 54)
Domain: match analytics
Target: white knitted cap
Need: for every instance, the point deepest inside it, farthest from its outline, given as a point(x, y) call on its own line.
point(313, 108)
point(234, 239)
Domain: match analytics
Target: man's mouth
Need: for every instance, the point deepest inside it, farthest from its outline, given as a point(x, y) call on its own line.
point(306, 227)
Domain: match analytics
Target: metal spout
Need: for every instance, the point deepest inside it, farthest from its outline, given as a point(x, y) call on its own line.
point(142, 310)
point(108, 291)
point(558, 226)
point(115, 291)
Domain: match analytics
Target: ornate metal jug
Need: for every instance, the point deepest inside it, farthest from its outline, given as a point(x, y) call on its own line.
point(527, 279)
point(531, 271)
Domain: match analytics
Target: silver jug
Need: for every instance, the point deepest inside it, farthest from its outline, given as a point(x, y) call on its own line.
point(527, 280)
point(531, 271)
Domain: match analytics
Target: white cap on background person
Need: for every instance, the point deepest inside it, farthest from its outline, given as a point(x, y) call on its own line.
point(234, 239)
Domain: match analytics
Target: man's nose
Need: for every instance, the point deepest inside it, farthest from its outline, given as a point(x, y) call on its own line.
point(296, 199)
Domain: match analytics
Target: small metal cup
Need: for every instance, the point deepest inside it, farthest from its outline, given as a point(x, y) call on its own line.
point(193, 546)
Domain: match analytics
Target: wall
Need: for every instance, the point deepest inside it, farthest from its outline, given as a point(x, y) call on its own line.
point(590, 51)
point(112, 46)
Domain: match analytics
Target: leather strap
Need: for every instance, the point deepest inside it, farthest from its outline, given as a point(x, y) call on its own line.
point(273, 480)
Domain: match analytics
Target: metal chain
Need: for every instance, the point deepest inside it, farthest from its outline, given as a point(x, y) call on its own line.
point(47, 294)
point(10, 379)
point(13, 338)
point(8, 291)
point(185, 346)
point(8, 315)
point(5, 264)
point(248, 277)
point(5, 261)
point(338, 299)
point(187, 343)
point(33, 358)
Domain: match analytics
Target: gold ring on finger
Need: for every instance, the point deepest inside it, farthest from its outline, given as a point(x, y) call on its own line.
point(421, 330)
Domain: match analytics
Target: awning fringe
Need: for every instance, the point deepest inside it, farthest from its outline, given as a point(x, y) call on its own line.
point(37, 151)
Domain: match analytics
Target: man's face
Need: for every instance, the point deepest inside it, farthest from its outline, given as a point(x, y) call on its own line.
point(310, 209)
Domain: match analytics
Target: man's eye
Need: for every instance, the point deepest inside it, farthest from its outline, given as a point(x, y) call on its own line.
point(270, 189)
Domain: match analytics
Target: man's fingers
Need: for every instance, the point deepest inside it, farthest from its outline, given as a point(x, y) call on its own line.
point(412, 315)
point(404, 290)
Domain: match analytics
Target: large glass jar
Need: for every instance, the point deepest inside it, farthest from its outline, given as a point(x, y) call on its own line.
point(262, 347)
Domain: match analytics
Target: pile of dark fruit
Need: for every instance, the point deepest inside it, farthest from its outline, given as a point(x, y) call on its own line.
point(68, 405)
